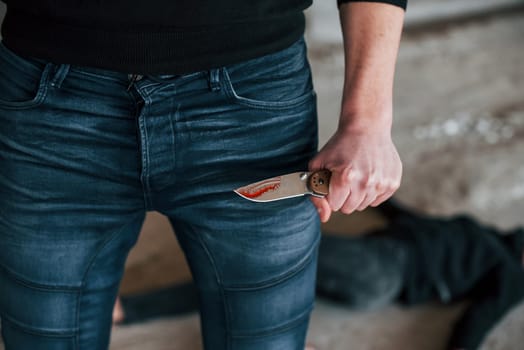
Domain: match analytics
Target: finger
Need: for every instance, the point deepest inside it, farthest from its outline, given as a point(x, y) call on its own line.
point(323, 208)
point(363, 195)
point(372, 189)
point(381, 191)
point(383, 197)
point(352, 203)
point(339, 189)
point(354, 199)
point(368, 199)
point(379, 200)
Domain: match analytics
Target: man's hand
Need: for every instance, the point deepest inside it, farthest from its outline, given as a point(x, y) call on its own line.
point(364, 162)
point(365, 170)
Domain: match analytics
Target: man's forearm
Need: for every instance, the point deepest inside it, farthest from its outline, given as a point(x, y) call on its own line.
point(371, 34)
point(364, 163)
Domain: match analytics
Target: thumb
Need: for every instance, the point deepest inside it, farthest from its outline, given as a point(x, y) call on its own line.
point(323, 208)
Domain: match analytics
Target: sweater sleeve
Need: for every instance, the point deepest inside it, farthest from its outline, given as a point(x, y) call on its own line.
point(401, 3)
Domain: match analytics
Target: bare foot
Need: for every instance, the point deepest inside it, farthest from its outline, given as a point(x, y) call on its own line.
point(118, 312)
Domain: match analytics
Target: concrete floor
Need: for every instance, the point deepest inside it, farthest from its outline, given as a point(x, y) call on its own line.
point(459, 107)
point(459, 110)
point(459, 126)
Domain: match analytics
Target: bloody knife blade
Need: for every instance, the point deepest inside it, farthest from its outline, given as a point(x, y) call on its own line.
point(287, 186)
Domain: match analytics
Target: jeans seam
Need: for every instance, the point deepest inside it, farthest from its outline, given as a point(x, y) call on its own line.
point(30, 330)
point(89, 266)
point(173, 132)
point(225, 304)
point(102, 246)
point(286, 276)
point(144, 155)
point(271, 331)
point(39, 286)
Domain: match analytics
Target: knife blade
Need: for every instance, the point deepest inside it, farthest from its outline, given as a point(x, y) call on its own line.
point(287, 186)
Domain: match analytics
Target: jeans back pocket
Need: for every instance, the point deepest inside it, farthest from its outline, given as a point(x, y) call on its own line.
point(22, 80)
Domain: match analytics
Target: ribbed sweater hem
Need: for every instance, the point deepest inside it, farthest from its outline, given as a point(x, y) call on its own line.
point(142, 51)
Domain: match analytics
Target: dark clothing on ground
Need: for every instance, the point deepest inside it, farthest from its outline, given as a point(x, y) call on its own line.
point(418, 258)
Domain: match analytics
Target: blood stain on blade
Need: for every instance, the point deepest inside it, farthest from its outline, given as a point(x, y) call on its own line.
point(258, 189)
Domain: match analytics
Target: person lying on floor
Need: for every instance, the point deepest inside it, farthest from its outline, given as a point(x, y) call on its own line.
point(412, 260)
point(417, 258)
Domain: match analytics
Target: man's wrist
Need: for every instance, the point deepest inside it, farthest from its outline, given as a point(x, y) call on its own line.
point(370, 110)
point(365, 121)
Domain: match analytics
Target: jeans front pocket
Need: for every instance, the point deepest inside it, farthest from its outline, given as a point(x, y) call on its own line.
point(23, 81)
point(278, 80)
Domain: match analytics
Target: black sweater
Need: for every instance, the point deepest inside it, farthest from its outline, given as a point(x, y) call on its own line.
point(155, 36)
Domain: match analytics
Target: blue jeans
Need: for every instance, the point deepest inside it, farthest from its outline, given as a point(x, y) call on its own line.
point(84, 155)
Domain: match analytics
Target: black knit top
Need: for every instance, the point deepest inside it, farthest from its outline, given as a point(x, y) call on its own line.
point(154, 36)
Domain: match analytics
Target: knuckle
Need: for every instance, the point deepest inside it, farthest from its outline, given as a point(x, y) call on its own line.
point(346, 177)
point(371, 183)
point(366, 182)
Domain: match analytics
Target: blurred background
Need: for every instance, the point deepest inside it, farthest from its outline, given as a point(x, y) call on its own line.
point(459, 127)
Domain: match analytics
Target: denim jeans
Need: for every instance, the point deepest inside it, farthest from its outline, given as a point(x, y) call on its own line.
point(85, 153)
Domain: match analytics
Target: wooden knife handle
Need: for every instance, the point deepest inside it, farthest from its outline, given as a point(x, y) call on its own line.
point(318, 182)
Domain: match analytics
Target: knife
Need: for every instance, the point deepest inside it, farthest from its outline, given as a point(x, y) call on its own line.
point(287, 186)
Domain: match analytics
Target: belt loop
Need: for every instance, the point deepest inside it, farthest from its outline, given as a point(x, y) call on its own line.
point(59, 75)
point(214, 79)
